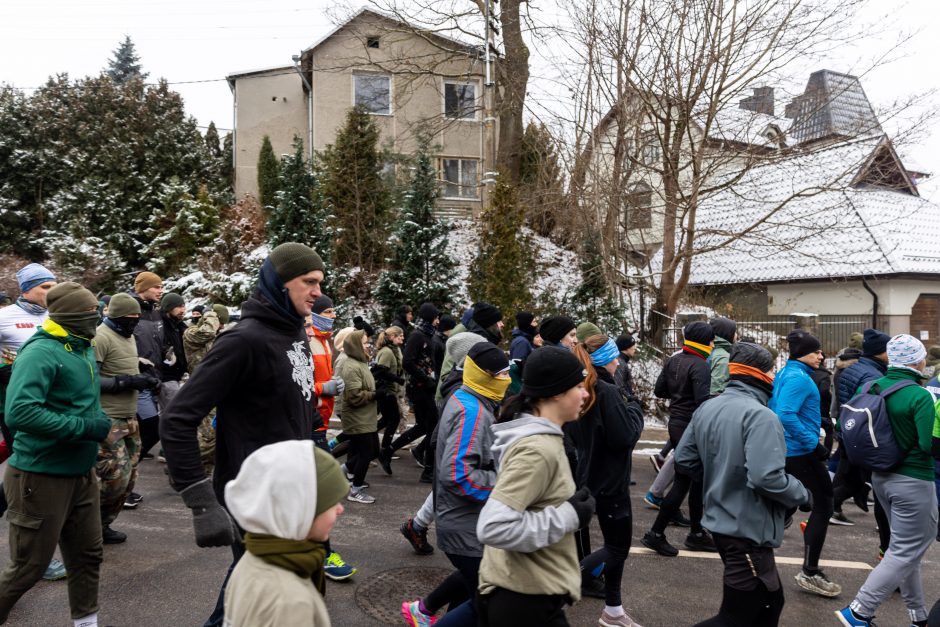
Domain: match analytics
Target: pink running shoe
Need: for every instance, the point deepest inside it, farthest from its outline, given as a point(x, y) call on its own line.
point(414, 616)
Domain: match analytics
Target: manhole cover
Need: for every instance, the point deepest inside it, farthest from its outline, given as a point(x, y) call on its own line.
point(381, 595)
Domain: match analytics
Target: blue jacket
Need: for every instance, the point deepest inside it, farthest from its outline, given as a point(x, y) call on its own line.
point(796, 402)
point(858, 374)
point(521, 344)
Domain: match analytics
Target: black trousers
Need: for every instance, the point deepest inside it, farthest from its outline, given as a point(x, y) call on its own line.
point(391, 418)
point(505, 608)
point(425, 409)
point(617, 529)
point(149, 434)
point(814, 475)
point(363, 447)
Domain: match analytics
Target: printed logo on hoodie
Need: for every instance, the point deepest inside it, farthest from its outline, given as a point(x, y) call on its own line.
point(303, 369)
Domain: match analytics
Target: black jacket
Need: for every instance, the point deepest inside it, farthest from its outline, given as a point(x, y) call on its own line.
point(604, 438)
point(685, 382)
point(406, 327)
point(173, 349)
point(259, 376)
point(417, 359)
point(623, 377)
point(438, 345)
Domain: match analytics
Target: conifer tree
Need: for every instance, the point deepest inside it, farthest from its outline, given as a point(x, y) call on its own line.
point(300, 214)
point(183, 230)
point(268, 174)
point(353, 186)
point(125, 65)
point(227, 167)
point(504, 267)
point(593, 299)
point(541, 189)
point(212, 141)
point(419, 268)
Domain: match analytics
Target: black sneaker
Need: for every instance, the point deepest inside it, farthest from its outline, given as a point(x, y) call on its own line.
point(700, 541)
point(132, 501)
point(419, 459)
point(427, 476)
point(110, 536)
point(659, 543)
point(679, 520)
point(385, 460)
point(417, 539)
point(594, 587)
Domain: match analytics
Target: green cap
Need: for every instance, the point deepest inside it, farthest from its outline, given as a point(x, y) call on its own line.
point(123, 304)
point(292, 260)
point(332, 486)
point(587, 329)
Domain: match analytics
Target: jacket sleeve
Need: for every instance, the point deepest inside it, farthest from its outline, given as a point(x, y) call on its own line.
point(622, 420)
point(462, 453)
point(687, 455)
point(198, 336)
point(791, 397)
point(719, 373)
point(33, 377)
point(701, 382)
point(218, 374)
point(661, 390)
point(355, 395)
point(765, 458)
point(503, 527)
point(410, 356)
point(520, 348)
point(925, 417)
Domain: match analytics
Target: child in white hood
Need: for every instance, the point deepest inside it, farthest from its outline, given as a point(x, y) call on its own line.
point(287, 497)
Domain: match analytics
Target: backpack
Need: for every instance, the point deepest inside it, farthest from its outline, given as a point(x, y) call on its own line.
point(867, 436)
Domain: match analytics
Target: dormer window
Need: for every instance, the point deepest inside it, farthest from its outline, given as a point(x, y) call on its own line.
point(372, 42)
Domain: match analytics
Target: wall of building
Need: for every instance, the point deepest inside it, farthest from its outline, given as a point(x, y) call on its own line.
point(896, 297)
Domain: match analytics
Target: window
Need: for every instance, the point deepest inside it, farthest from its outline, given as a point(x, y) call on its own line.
point(373, 93)
point(650, 153)
point(460, 178)
point(637, 207)
point(372, 42)
point(460, 101)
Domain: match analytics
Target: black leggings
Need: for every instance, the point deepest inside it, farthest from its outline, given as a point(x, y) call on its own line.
point(391, 418)
point(812, 473)
point(505, 608)
point(682, 485)
point(363, 447)
point(149, 434)
point(425, 409)
point(848, 483)
point(618, 535)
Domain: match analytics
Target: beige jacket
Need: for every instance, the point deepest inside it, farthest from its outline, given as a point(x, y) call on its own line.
point(263, 595)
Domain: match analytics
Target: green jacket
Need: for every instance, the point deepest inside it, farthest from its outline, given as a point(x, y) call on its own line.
point(912, 415)
point(198, 339)
point(53, 405)
point(719, 366)
point(360, 412)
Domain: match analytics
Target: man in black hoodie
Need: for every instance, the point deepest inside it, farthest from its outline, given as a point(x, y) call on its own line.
point(487, 321)
point(259, 376)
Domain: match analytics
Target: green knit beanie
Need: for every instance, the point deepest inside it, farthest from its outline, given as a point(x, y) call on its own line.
point(222, 312)
point(171, 301)
point(123, 305)
point(332, 486)
point(70, 297)
point(292, 260)
point(587, 329)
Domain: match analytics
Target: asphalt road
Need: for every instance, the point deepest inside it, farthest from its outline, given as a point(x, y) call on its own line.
point(159, 577)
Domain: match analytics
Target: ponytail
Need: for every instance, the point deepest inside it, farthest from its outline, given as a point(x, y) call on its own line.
point(515, 405)
point(581, 352)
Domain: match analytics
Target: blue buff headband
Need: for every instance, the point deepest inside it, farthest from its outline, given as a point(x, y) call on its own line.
point(605, 354)
point(321, 323)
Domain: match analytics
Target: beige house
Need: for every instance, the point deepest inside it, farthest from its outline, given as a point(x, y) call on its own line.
point(407, 78)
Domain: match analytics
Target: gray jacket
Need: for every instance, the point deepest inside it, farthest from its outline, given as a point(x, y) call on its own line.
point(735, 444)
point(464, 470)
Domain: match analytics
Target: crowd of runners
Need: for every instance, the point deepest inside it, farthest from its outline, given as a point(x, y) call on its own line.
point(271, 420)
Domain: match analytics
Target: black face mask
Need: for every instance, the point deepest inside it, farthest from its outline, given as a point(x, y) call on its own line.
point(125, 325)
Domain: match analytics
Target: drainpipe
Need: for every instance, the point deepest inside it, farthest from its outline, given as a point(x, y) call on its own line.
point(874, 303)
point(303, 77)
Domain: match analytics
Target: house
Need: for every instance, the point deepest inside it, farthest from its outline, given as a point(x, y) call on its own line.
point(407, 78)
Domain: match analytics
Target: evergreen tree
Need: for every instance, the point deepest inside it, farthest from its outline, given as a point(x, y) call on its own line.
point(183, 230)
point(353, 186)
point(125, 65)
point(504, 267)
point(593, 299)
point(540, 181)
point(227, 167)
point(212, 141)
point(300, 214)
point(268, 174)
point(419, 268)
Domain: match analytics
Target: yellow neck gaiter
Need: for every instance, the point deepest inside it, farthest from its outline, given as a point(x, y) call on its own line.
point(483, 383)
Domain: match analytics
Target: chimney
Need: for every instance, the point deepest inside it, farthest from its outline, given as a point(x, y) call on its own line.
point(761, 102)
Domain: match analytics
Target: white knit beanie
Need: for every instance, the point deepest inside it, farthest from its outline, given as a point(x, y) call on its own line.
point(905, 350)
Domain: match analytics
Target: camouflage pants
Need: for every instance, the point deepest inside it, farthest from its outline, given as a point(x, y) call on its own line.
point(117, 469)
point(206, 436)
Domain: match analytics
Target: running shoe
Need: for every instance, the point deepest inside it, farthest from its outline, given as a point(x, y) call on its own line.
point(55, 571)
point(336, 569)
point(838, 518)
point(818, 584)
point(679, 520)
point(414, 616)
point(609, 620)
point(700, 541)
point(653, 501)
point(417, 539)
point(850, 619)
point(659, 543)
point(133, 500)
point(419, 458)
point(359, 495)
point(385, 460)
point(594, 588)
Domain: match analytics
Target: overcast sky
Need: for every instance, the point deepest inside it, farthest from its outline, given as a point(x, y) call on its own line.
point(194, 44)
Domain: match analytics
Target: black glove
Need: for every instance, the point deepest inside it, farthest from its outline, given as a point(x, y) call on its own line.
point(212, 524)
point(144, 382)
point(5, 373)
point(821, 453)
point(583, 504)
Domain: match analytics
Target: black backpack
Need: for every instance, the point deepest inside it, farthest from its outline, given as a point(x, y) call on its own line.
point(867, 436)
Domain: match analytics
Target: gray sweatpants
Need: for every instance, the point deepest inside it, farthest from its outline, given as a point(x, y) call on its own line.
point(665, 477)
point(425, 515)
point(911, 507)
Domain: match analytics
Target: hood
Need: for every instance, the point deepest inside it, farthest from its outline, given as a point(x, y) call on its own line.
point(722, 343)
point(352, 346)
point(260, 308)
point(842, 364)
point(517, 332)
point(505, 434)
point(275, 492)
point(474, 327)
point(740, 387)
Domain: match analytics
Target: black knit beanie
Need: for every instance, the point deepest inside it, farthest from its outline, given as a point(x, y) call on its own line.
point(802, 343)
point(874, 342)
point(724, 328)
point(486, 315)
point(171, 301)
point(524, 320)
point(551, 370)
point(322, 303)
point(446, 323)
point(291, 260)
point(753, 355)
point(625, 341)
point(489, 357)
point(554, 328)
point(428, 311)
point(699, 332)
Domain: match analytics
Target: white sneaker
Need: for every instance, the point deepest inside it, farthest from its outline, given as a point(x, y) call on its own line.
point(818, 584)
point(360, 496)
point(624, 620)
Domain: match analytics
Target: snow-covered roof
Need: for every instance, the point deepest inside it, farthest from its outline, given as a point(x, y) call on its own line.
point(746, 127)
point(816, 215)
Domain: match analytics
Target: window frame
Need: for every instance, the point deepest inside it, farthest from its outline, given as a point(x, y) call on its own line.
point(475, 188)
point(391, 91)
point(475, 117)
